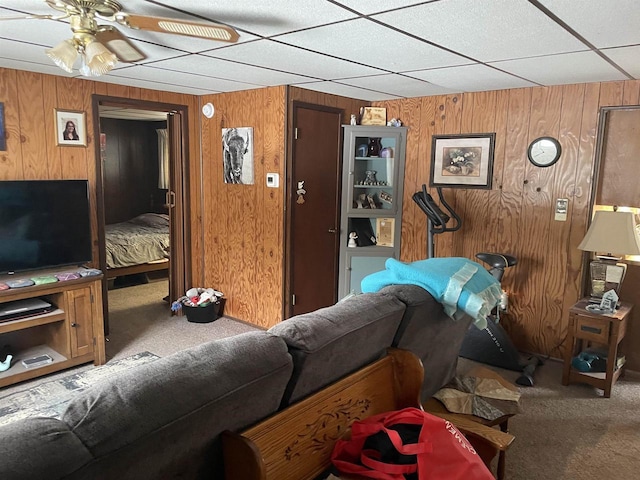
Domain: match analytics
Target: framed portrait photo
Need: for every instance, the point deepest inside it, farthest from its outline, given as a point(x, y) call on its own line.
point(462, 161)
point(71, 128)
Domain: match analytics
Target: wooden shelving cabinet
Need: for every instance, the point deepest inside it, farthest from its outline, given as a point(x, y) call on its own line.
point(372, 189)
point(72, 334)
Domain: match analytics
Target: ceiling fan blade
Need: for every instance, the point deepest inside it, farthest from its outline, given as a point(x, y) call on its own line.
point(211, 31)
point(39, 17)
point(115, 41)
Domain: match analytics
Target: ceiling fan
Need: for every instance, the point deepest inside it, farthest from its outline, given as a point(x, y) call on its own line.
point(101, 46)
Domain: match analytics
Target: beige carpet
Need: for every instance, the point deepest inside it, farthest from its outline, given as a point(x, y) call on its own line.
point(573, 432)
point(139, 320)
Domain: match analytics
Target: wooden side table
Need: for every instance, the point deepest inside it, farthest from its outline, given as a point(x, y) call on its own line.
point(586, 328)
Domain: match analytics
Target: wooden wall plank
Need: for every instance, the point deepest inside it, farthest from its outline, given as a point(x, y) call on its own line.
point(631, 93)
point(33, 122)
point(11, 158)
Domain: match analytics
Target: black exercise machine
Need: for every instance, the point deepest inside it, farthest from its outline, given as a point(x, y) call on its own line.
point(490, 345)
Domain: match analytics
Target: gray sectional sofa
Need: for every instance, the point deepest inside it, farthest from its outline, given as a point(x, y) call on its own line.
point(164, 419)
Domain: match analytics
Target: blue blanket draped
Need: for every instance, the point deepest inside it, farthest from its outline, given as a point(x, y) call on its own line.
point(459, 284)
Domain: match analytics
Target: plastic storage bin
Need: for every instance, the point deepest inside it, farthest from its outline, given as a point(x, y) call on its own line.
point(206, 314)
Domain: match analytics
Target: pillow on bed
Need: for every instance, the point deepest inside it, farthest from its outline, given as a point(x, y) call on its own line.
point(152, 219)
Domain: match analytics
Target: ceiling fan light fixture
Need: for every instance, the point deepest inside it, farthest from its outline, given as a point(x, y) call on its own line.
point(99, 59)
point(63, 55)
point(203, 31)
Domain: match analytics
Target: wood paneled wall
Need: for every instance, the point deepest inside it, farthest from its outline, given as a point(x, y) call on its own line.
point(30, 100)
point(237, 231)
point(517, 215)
point(130, 170)
point(242, 225)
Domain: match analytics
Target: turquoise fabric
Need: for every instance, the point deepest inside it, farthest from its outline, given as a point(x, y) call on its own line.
point(459, 284)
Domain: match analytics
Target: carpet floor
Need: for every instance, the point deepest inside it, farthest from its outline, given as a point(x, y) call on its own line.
point(572, 432)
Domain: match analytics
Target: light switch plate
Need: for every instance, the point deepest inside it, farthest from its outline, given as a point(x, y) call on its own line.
point(562, 205)
point(273, 180)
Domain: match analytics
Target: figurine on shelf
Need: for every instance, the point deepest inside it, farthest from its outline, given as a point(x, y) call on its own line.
point(370, 178)
point(352, 240)
point(360, 200)
point(374, 147)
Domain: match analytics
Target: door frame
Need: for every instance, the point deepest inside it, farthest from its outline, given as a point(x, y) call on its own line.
point(181, 169)
point(290, 189)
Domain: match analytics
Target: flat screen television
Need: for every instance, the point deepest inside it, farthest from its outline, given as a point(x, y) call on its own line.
point(44, 224)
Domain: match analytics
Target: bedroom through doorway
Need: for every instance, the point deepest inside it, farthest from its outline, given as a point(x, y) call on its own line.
point(141, 228)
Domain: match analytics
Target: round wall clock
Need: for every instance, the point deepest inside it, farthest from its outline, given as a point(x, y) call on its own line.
point(544, 151)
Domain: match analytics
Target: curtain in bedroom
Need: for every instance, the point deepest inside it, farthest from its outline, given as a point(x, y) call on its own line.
point(163, 158)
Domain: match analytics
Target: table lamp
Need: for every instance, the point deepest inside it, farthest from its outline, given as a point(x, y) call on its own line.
point(613, 232)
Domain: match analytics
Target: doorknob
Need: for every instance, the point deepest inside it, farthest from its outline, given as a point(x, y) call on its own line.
point(332, 230)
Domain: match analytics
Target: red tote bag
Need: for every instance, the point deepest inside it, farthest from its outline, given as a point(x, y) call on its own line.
point(408, 444)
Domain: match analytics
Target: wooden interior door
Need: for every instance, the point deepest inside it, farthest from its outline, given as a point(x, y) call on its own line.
point(177, 204)
point(315, 214)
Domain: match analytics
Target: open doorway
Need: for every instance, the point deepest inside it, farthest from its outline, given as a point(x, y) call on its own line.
point(141, 198)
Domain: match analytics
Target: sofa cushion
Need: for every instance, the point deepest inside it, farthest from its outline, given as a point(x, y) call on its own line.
point(429, 333)
point(334, 341)
point(131, 424)
point(40, 448)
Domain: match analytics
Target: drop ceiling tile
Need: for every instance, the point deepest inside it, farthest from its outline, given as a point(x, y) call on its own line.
point(346, 91)
point(155, 85)
point(24, 52)
point(213, 67)
point(626, 58)
point(486, 31)
point(470, 78)
point(49, 69)
point(397, 85)
point(174, 77)
point(250, 16)
point(593, 20)
point(563, 69)
point(371, 44)
point(270, 54)
point(375, 6)
point(46, 33)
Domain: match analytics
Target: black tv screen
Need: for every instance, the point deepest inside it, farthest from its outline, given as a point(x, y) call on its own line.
point(44, 223)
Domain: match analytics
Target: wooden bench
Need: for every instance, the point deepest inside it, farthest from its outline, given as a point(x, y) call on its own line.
point(296, 443)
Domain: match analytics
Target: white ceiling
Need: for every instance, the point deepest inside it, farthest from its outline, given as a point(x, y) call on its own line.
point(365, 49)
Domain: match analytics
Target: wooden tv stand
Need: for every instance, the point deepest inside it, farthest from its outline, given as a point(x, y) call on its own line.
point(72, 334)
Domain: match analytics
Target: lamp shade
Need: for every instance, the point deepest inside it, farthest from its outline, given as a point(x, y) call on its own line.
point(612, 232)
point(64, 55)
point(99, 59)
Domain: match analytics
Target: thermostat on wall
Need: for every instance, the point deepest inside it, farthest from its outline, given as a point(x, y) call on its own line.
point(273, 180)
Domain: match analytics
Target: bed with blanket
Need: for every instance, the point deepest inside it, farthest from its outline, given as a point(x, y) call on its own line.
point(138, 245)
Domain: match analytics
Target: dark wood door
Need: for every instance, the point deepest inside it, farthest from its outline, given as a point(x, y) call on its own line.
point(315, 212)
point(177, 203)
